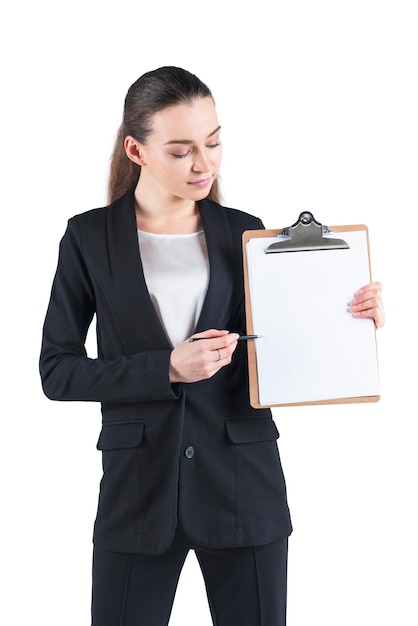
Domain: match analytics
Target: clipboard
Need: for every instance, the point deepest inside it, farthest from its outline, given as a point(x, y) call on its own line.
point(298, 282)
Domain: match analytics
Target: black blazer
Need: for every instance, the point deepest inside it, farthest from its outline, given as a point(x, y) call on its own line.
point(197, 453)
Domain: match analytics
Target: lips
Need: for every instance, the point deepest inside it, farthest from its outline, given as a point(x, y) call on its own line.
point(202, 182)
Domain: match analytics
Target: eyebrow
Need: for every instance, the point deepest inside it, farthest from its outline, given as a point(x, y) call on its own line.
point(188, 141)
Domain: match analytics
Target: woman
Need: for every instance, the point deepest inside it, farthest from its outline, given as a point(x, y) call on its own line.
point(188, 464)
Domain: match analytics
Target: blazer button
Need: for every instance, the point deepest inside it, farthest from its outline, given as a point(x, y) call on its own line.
point(189, 452)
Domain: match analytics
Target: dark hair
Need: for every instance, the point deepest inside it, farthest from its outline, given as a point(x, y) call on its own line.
point(152, 92)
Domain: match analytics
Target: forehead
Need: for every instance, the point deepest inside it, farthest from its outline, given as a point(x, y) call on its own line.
point(192, 121)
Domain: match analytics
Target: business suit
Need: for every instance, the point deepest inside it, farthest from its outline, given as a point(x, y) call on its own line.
point(194, 453)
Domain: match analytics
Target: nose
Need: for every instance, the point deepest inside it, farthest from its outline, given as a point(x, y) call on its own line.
point(201, 162)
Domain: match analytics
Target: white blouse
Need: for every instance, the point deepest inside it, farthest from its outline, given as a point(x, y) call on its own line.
point(176, 269)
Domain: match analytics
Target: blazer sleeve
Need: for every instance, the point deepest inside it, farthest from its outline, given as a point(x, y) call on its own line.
point(67, 373)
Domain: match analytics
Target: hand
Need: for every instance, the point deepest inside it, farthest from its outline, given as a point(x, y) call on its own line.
point(367, 302)
point(200, 360)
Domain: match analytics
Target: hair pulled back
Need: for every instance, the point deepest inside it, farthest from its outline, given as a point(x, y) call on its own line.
point(151, 93)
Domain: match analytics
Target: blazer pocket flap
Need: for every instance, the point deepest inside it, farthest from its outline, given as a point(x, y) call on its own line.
point(251, 429)
point(116, 436)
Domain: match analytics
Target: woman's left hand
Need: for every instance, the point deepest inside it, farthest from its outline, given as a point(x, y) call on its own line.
point(367, 302)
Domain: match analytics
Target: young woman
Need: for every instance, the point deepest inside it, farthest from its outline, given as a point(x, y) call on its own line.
point(188, 463)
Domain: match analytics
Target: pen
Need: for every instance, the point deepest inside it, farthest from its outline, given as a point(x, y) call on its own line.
point(240, 338)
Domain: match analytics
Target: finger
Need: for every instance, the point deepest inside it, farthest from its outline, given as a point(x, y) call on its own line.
point(376, 314)
point(223, 354)
point(370, 309)
point(371, 290)
point(375, 285)
point(210, 334)
point(364, 305)
point(229, 340)
point(364, 300)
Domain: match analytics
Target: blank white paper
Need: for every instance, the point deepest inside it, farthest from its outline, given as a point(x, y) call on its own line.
point(312, 348)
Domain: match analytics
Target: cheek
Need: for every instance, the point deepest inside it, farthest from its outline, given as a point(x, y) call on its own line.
point(171, 169)
point(175, 173)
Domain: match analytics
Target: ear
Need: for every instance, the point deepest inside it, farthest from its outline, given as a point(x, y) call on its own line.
point(133, 150)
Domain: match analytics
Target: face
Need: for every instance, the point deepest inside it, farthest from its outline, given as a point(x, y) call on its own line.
point(182, 154)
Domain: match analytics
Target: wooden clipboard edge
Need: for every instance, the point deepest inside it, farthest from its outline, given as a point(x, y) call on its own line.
point(252, 359)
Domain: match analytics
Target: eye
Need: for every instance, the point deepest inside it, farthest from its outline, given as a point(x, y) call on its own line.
point(214, 145)
point(180, 156)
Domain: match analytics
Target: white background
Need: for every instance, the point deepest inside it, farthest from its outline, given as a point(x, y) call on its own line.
point(318, 102)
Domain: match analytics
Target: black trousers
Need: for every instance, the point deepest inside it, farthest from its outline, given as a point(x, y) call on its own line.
point(245, 586)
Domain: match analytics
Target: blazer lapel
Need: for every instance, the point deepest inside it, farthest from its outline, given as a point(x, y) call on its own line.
point(134, 308)
point(221, 263)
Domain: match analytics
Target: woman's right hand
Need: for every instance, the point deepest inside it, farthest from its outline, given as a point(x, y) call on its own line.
point(200, 360)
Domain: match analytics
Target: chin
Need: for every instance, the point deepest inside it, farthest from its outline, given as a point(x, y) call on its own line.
point(201, 194)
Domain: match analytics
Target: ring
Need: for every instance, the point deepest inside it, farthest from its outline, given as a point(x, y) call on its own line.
point(219, 352)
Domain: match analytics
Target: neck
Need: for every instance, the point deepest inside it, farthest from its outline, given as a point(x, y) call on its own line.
point(165, 216)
